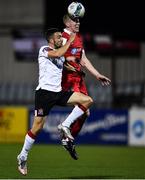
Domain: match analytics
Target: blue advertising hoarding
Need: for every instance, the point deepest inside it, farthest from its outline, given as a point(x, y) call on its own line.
point(104, 126)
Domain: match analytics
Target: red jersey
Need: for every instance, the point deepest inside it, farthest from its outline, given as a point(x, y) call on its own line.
point(73, 80)
point(75, 48)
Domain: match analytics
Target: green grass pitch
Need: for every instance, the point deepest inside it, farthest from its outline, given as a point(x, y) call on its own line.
point(95, 162)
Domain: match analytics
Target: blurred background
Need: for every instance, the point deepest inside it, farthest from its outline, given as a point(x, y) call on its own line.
point(114, 39)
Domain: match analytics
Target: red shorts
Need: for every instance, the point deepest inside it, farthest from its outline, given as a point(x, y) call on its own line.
point(74, 82)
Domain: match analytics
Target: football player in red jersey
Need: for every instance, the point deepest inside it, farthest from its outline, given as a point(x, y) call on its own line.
point(73, 76)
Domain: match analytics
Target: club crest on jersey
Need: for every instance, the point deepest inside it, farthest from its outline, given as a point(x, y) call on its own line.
point(39, 112)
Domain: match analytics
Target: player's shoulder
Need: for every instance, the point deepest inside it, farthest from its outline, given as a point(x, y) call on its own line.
point(44, 49)
point(65, 35)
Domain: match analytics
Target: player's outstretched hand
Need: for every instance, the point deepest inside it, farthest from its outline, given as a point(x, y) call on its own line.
point(104, 80)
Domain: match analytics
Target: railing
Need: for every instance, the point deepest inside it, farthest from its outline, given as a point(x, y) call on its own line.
point(126, 94)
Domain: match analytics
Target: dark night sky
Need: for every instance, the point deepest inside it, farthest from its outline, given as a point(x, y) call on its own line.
point(121, 18)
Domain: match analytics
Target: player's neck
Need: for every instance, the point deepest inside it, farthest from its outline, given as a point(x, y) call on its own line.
point(51, 45)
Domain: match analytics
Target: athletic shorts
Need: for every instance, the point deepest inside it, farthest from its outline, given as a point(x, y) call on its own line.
point(45, 100)
point(74, 82)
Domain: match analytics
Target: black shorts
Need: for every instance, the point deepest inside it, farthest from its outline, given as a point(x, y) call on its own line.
point(45, 100)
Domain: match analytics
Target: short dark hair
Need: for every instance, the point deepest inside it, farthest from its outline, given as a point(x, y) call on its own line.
point(49, 32)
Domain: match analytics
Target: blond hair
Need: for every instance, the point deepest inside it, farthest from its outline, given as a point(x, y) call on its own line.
point(66, 18)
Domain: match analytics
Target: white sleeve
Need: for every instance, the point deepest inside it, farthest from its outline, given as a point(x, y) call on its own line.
point(43, 51)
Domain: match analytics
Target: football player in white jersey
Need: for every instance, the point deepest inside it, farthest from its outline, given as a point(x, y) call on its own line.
point(49, 93)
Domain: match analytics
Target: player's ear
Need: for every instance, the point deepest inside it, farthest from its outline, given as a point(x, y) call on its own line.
point(51, 40)
point(67, 24)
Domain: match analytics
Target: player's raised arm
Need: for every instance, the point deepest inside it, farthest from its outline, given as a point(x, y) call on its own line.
point(59, 50)
point(88, 65)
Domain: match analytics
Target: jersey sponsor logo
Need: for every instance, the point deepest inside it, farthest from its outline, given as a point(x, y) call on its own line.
point(75, 50)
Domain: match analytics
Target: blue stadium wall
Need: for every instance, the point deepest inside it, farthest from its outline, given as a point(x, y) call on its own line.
point(104, 126)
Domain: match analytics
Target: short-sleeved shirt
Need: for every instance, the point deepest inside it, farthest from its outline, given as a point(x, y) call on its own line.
point(50, 71)
point(75, 48)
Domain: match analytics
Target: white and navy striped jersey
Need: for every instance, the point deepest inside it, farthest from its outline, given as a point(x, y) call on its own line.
point(50, 70)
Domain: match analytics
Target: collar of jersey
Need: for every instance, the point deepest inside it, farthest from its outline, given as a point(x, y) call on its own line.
point(67, 31)
point(51, 48)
